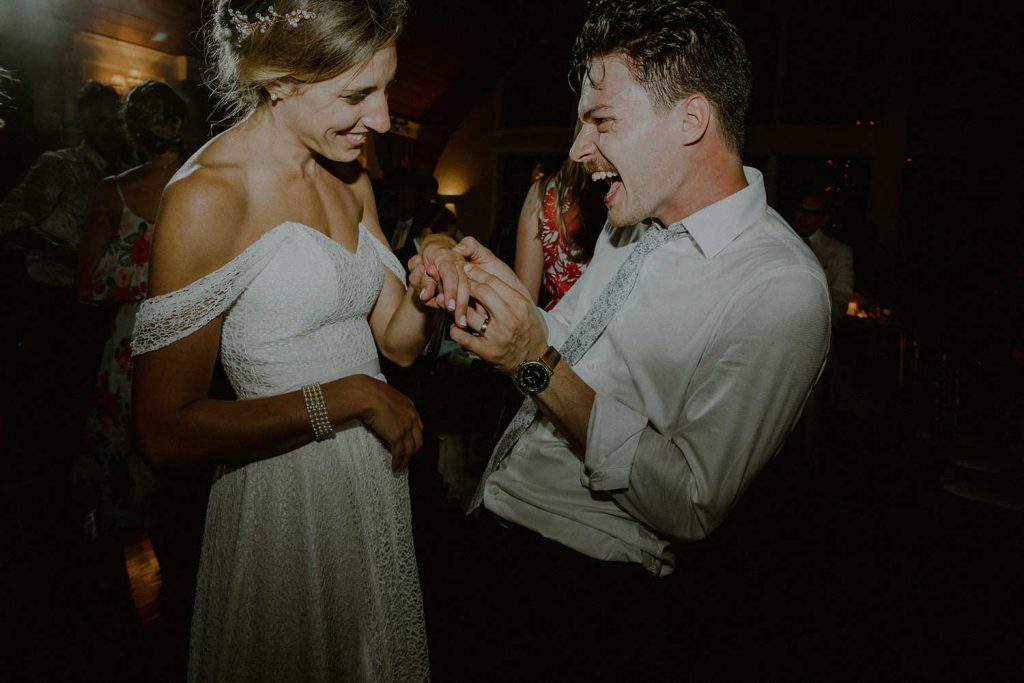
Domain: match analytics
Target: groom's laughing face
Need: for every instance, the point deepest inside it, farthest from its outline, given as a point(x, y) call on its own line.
point(626, 141)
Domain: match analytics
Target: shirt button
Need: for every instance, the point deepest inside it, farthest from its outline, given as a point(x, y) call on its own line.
point(493, 489)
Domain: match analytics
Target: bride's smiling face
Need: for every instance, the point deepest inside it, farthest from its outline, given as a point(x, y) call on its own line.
point(332, 117)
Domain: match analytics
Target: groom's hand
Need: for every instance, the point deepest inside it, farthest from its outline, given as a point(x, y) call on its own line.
point(483, 258)
point(510, 329)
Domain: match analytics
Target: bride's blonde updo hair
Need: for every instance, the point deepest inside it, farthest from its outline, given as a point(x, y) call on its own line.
point(252, 43)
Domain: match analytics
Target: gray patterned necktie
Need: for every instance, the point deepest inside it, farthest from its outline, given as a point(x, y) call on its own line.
point(582, 338)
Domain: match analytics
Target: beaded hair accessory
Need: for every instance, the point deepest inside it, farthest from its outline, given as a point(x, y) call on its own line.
point(245, 28)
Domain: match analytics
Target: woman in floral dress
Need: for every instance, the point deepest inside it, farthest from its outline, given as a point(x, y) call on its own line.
point(115, 269)
point(561, 218)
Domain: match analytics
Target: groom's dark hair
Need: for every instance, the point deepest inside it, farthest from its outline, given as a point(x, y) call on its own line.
point(673, 49)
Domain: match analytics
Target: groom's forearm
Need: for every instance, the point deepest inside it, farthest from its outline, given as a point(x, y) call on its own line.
point(567, 402)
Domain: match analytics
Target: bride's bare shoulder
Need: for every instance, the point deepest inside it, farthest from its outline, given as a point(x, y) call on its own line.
point(200, 223)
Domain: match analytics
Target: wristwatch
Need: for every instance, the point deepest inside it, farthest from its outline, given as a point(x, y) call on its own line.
point(533, 376)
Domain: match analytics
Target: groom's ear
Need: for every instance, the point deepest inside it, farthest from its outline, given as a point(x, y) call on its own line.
point(693, 116)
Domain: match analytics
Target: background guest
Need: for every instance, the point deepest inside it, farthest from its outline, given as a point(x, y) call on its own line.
point(122, 495)
point(48, 212)
point(416, 207)
point(810, 218)
point(396, 197)
point(115, 269)
point(445, 221)
point(558, 226)
point(50, 341)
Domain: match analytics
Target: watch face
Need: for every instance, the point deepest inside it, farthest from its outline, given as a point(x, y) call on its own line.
point(533, 377)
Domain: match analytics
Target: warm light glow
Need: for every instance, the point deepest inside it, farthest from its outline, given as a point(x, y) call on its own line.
point(451, 207)
point(124, 65)
point(452, 185)
point(856, 308)
point(144, 578)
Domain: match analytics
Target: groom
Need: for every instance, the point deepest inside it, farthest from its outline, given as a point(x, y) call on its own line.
point(669, 375)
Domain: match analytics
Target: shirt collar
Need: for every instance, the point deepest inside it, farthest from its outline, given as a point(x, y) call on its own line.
point(815, 236)
point(718, 224)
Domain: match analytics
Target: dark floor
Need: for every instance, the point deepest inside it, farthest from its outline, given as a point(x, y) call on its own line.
point(854, 566)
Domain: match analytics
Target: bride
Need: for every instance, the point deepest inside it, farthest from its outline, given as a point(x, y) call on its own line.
point(264, 257)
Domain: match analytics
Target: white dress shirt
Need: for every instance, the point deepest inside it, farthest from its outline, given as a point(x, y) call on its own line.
point(698, 378)
point(837, 260)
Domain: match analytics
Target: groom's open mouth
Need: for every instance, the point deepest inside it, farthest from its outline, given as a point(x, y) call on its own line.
point(614, 183)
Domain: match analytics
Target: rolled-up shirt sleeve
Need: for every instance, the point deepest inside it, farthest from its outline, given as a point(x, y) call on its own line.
point(613, 441)
point(745, 396)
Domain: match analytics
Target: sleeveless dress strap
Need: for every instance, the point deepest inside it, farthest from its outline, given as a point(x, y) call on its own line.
point(124, 204)
point(163, 320)
point(120, 192)
point(386, 257)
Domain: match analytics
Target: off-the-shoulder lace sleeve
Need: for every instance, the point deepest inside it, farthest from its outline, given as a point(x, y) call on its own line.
point(165, 319)
point(387, 258)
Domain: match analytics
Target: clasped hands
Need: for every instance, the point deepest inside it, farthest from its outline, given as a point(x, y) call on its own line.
point(495, 317)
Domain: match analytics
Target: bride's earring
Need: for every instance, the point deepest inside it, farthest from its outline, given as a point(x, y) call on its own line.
point(274, 97)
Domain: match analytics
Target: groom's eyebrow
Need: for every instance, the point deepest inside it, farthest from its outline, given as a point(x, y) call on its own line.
point(589, 114)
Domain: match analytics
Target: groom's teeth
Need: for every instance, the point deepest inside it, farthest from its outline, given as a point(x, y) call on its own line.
point(602, 175)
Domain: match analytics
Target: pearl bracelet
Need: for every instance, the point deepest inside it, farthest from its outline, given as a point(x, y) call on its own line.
point(316, 408)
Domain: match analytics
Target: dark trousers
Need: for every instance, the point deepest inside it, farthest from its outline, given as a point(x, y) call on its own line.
point(510, 605)
point(763, 597)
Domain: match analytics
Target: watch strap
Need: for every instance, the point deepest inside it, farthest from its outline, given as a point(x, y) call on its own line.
point(551, 358)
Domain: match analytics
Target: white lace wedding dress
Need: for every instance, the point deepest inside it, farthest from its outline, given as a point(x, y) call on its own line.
point(307, 571)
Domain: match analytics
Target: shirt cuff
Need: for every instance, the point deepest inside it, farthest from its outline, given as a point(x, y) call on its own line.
point(613, 437)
